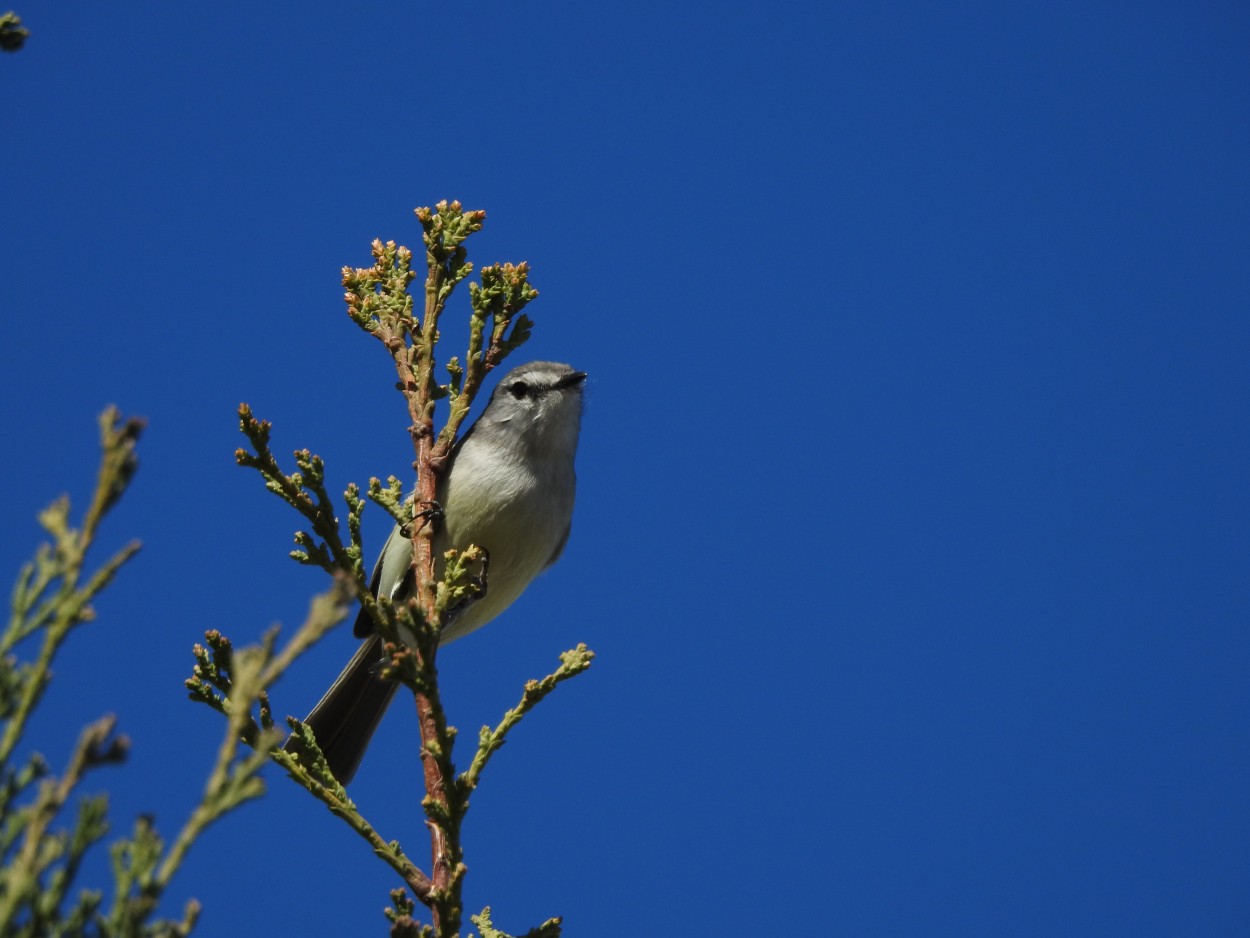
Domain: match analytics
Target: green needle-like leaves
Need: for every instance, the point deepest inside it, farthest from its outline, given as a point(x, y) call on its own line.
point(41, 855)
point(379, 302)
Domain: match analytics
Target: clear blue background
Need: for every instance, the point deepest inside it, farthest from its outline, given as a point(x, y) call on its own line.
point(914, 528)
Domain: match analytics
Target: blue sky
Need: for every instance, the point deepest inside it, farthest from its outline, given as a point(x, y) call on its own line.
point(913, 523)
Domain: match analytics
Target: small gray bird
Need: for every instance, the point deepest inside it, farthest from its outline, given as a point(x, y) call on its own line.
point(509, 489)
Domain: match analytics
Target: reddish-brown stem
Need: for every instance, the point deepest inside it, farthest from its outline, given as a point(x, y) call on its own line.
point(421, 409)
point(411, 346)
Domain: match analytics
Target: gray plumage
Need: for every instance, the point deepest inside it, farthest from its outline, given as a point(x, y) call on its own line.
point(509, 489)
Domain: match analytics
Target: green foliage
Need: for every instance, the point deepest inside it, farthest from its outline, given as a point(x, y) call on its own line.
point(41, 853)
point(13, 34)
point(40, 860)
point(548, 929)
point(378, 302)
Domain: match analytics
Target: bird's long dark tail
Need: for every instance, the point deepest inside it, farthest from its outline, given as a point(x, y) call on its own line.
point(345, 718)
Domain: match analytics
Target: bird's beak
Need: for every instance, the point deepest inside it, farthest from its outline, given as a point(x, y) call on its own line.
point(571, 380)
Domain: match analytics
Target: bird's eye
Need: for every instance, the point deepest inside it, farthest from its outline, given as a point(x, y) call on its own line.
point(519, 389)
